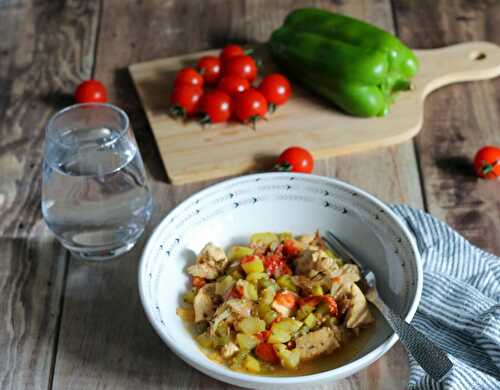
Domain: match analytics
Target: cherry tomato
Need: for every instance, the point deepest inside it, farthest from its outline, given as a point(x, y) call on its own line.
point(276, 89)
point(91, 91)
point(266, 352)
point(215, 107)
point(250, 106)
point(184, 100)
point(231, 51)
point(487, 162)
point(188, 76)
point(209, 67)
point(232, 84)
point(243, 66)
point(295, 159)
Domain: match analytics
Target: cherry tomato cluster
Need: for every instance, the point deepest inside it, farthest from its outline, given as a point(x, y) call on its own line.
point(220, 88)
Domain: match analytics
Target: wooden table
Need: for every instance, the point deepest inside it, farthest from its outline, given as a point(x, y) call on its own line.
point(69, 325)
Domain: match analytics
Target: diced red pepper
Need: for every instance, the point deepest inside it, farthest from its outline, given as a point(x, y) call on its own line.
point(263, 336)
point(236, 292)
point(247, 259)
point(311, 300)
point(287, 299)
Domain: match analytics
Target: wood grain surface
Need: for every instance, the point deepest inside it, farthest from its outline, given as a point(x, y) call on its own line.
point(44, 49)
point(459, 119)
point(70, 325)
point(191, 152)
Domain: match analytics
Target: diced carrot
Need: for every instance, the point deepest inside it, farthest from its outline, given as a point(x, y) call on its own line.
point(266, 352)
point(332, 304)
point(287, 299)
point(198, 282)
point(335, 280)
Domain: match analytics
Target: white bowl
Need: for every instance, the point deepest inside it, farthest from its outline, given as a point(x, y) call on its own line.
point(229, 212)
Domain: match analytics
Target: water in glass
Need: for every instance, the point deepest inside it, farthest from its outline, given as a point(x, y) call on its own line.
point(95, 194)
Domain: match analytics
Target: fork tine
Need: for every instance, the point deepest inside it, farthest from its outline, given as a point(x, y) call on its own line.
point(341, 249)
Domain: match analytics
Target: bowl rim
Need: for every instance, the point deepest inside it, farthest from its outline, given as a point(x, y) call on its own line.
point(220, 372)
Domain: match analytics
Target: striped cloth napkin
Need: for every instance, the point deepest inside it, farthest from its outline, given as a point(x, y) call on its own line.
point(460, 306)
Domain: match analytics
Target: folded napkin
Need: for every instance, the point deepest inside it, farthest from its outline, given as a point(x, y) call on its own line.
point(460, 306)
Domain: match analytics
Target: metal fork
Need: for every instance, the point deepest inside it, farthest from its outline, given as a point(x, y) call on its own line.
point(432, 359)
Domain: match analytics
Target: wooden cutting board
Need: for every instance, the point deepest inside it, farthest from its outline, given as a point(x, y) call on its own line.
point(192, 153)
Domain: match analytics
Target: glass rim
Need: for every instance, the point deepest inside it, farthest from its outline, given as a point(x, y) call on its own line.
point(121, 131)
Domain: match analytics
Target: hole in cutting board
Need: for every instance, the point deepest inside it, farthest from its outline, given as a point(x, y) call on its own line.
point(477, 56)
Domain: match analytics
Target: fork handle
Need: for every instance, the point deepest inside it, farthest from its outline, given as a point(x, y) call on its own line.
point(432, 359)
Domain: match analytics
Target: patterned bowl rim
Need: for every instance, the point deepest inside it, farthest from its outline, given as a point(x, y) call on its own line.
point(220, 372)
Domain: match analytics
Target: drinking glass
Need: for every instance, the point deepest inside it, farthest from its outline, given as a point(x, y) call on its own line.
point(95, 196)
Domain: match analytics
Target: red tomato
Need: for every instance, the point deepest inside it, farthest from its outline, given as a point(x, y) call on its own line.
point(215, 107)
point(243, 66)
point(236, 292)
point(290, 248)
point(231, 51)
point(276, 89)
point(91, 91)
point(250, 106)
point(232, 84)
point(188, 76)
point(263, 336)
point(295, 159)
point(209, 67)
point(266, 352)
point(487, 162)
point(184, 100)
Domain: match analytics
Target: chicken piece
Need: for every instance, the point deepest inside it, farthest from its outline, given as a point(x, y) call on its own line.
point(358, 313)
point(203, 271)
point(210, 262)
point(222, 313)
point(281, 309)
point(311, 263)
point(203, 304)
point(241, 308)
point(229, 350)
point(343, 279)
point(316, 343)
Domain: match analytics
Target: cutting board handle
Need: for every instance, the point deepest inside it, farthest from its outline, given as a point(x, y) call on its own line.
point(462, 62)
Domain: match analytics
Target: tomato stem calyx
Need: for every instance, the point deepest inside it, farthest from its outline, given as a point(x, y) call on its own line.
point(204, 119)
point(271, 108)
point(283, 167)
point(488, 168)
point(177, 112)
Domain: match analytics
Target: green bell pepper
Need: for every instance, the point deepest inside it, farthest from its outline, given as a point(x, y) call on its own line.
point(353, 64)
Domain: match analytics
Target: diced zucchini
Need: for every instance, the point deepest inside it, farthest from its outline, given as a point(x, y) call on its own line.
point(201, 327)
point(189, 297)
point(252, 364)
point(254, 266)
point(263, 239)
point(322, 309)
point(251, 325)
point(317, 290)
point(289, 359)
point(246, 342)
point(267, 295)
point(270, 316)
point(186, 314)
point(204, 340)
point(286, 325)
point(220, 341)
point(249, 290)
point(223, 329)
point(279, 337)
point(236, 274)
point(285, 236)
point(238, 360)
point(239, 252)
point(310, 320)
point(255, 277)
point(263, 309)
point(285, 281)
point(264, 283)
point(304, 311)
point(226, 284)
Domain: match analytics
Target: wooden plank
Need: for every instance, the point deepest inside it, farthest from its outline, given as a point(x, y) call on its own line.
point(192, 153)
point(458, 120)
point(42, 54)
point(106, 341)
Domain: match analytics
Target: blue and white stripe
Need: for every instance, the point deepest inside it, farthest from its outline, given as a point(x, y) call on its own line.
point(460, 306)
